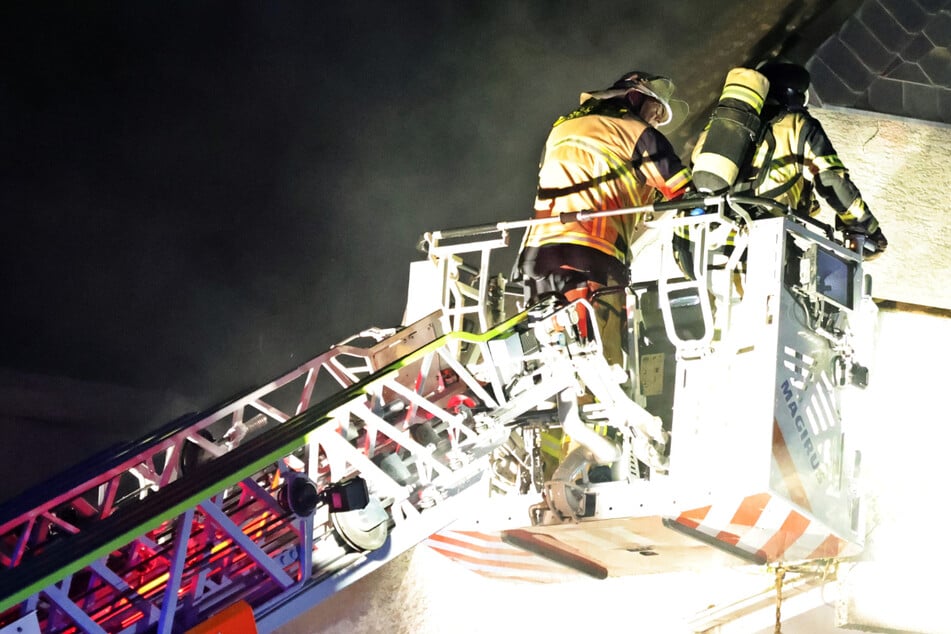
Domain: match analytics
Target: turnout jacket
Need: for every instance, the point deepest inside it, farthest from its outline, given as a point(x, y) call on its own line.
point(796, 158)
point(602, 157)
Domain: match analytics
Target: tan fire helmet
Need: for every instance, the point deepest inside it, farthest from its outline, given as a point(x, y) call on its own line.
point(655, 86)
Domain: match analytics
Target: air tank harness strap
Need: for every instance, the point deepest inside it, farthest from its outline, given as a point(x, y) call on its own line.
point(550, 193)
point(748, 121)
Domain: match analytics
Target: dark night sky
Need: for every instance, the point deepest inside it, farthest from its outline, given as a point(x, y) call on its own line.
point(199, 196)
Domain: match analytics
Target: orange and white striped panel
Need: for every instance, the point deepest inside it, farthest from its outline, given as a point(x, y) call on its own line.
point(790, 482)
point(485, 553)
point(768, 527)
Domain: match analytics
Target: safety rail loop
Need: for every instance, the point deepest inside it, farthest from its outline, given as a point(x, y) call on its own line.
point(221, 529)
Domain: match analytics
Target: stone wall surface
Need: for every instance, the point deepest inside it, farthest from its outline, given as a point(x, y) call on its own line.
point(903, 168)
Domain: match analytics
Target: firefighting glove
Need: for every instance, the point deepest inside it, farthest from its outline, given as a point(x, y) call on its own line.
point(875, 244)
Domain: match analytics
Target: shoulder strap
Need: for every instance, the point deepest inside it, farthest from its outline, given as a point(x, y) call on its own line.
point(750, 177)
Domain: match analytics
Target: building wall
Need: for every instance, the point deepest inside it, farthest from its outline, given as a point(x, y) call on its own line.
point(903, 168)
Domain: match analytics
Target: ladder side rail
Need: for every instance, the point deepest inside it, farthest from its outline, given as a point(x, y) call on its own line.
point(128, 601)
point(168, 442)
point(66, 557)
point(44, 570)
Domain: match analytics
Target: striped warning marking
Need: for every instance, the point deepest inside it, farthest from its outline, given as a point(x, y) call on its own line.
point(745, 517)
point(831, 546)
point(768, 527)
point(485, 553)
point(797, 491)
point(792, 528)
point(693, 518)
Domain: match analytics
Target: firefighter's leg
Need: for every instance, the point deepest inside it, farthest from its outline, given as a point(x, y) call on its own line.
point(610, 311)
point(609, 315)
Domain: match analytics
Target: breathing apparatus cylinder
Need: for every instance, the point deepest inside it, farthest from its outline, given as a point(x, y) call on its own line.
point(733, 127)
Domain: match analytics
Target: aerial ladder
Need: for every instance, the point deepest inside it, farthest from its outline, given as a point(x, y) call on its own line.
point(727, 428)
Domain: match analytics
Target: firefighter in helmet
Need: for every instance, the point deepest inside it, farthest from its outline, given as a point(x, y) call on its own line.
point(794, 159)
point(606, 154)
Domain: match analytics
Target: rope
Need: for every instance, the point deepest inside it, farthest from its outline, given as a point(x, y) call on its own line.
point(780, 575)
point(825, 570)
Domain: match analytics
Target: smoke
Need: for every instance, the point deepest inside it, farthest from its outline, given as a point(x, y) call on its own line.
point(204, 196)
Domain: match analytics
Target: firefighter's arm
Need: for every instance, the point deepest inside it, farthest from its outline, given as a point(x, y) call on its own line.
point(661, 168)
point(657, 165)
point(832, 182)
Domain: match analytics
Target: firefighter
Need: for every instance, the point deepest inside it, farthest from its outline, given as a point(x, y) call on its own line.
point(794, 159)
point(606, 154)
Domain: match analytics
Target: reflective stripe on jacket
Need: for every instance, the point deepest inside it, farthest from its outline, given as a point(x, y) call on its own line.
point(601, 162)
